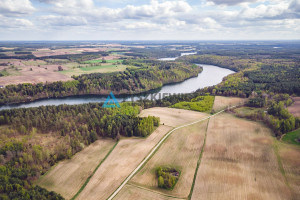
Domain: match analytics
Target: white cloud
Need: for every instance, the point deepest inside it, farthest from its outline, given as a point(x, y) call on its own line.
point(20, 23)
point(156, 17)
point(264, 11)
point(16, 7)
point(230, 2)
point(63, 20)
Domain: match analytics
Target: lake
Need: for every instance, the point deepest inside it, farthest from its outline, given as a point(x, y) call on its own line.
point(211, 75)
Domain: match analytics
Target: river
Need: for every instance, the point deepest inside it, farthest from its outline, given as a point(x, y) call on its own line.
point(211, 75)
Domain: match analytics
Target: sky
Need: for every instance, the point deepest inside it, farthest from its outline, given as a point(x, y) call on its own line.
point(149, 20)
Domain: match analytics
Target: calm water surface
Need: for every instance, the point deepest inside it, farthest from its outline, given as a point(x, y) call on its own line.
point(211, 75)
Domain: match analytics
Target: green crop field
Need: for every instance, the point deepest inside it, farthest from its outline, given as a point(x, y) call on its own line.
point(97, 67)
point(104, 68)
point(200, 103)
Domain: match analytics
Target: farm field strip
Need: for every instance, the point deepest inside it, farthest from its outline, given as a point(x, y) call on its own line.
point(239, 162)
point(67, 177)
point(137, 192)
point(290, 159)
point(125, 157)
point(88, 179)
point(198, 162)
point(153, 151)
point(221, 102)
point(180, 150)
point(172, 116)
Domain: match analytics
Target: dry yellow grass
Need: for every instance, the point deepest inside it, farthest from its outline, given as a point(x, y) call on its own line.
point(290, 158)
point(130, 192)
point(120, 163)
point(173, 116)
point(181, 150)
point(37, 75)
point(223, 102)
point(239, 162)
point(68, 176)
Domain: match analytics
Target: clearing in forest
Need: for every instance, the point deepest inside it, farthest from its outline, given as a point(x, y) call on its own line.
point(225, 102)
point(295, 107)
point(173, 116)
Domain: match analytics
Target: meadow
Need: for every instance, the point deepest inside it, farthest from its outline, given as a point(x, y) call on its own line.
point(292, 137)
point(200, 103)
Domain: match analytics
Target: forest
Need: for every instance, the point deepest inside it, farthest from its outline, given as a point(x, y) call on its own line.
point(263, 76)
point(150, 74)
point(271, 109)
point(23, 160)
point(253, 74)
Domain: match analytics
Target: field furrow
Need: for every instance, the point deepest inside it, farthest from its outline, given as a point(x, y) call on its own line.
point(239, 162)
point(68, 176)
point(121, 162)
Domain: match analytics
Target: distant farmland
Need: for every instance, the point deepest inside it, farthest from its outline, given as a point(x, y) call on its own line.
point(100, 61)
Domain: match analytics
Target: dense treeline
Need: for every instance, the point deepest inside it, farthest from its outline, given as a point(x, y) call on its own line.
point(25, 57)
point(254, 74)
point(90, 120)
point(72, 127)
point(84, 56)
point(150, 75)
point(273, 112)
point(261, 50)
point(276, 78)
point(158, 52)
point(220, 61)
point(14, 181)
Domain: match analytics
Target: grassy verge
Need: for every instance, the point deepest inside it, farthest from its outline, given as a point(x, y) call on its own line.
point(280, 165)
point(198, 163)
point(89, 178)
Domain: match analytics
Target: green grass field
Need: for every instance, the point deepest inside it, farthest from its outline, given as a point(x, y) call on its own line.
point(4, 73)
point(292, 137)
point(100, 61)
point(98, 67)
point(103, 68)
point(200, 103)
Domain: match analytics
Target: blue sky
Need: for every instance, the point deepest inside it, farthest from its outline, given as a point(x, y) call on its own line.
point(149, 20)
